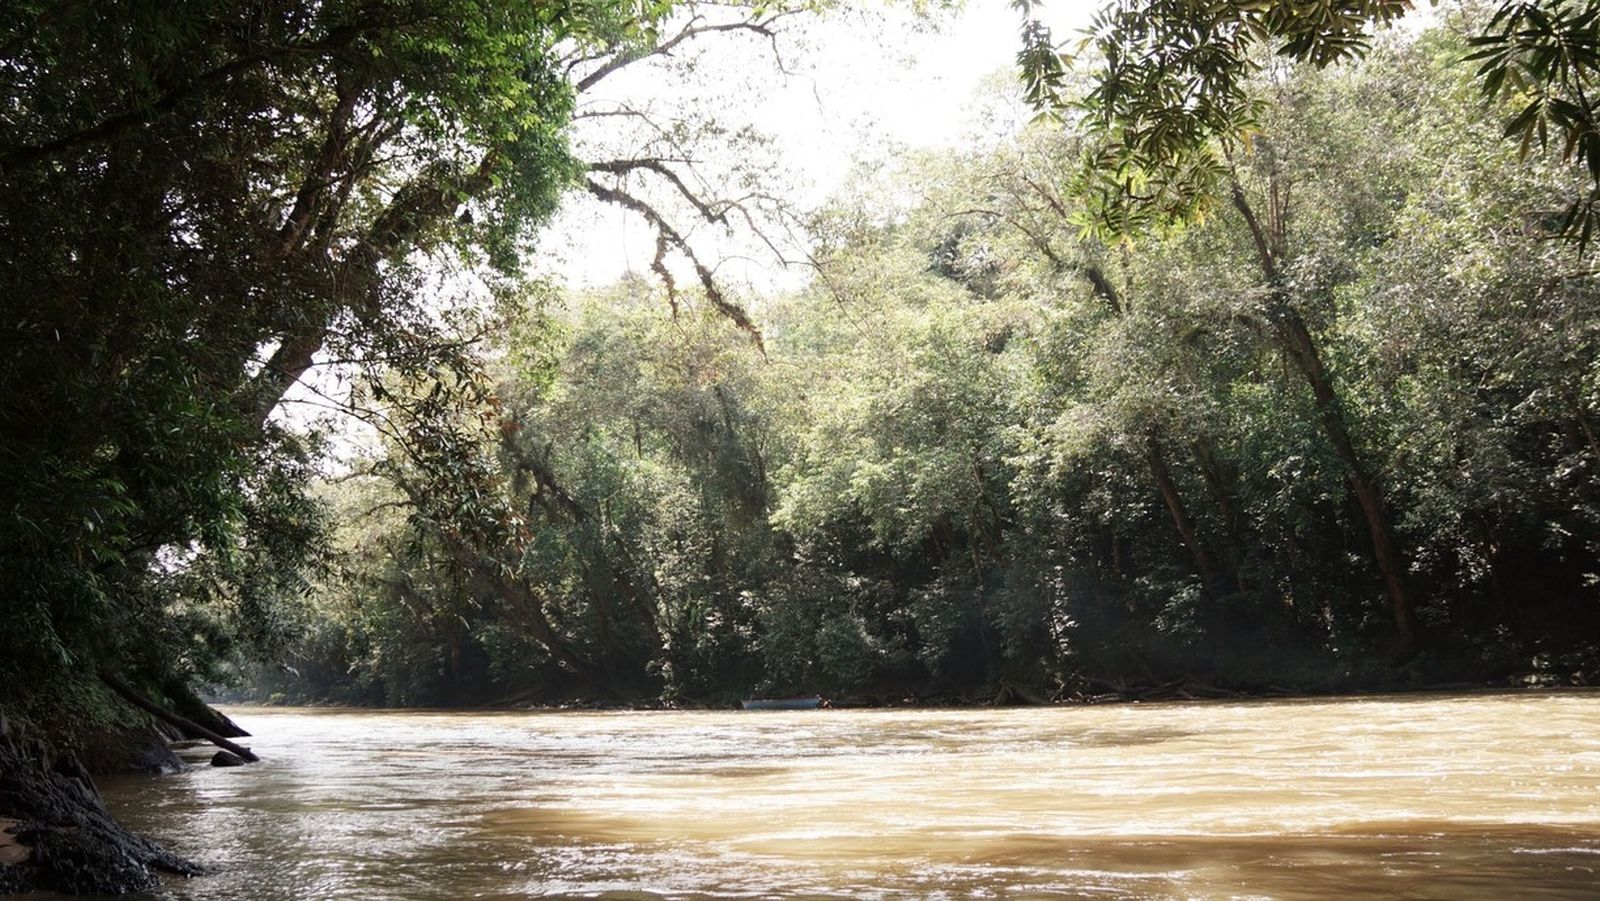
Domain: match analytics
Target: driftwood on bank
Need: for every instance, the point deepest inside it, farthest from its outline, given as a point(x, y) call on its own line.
point(1013, 695)
point(166, 716)
point(1186, 688)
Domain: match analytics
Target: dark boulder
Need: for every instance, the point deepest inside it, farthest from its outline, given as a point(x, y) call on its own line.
point(143, 750)
point(226, 758)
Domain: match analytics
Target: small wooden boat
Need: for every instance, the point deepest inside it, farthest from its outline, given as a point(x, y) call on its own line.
point(811, 703)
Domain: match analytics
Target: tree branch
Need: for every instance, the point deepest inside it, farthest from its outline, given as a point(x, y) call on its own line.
point(659, 167)
point(667, 238)
point(690, 31)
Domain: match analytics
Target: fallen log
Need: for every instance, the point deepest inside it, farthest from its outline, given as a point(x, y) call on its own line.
point(1011, 694)
point(187, 704)
point(156, 710)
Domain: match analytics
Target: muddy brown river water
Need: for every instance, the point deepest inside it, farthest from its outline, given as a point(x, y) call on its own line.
point(1466, 797)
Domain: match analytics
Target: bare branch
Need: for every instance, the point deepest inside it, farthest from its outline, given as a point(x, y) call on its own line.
point(692, 30)
point(668, 237)
point(659, 167)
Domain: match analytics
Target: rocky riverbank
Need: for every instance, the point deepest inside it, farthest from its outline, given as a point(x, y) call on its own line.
point(55, 831)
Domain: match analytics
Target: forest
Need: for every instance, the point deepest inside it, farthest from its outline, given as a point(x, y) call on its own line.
point(1288, 386)
point(1333, 431)
point(1246, 349)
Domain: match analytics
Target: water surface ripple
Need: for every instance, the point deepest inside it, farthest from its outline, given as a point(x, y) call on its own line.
point(1429, 797)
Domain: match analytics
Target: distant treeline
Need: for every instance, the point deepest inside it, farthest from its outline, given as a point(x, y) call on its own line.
point(1339, 432)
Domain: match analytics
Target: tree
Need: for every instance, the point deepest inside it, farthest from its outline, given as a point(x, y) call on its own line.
point(988, 450)
point(496, 506)
point(1172, 87)
point(200, 200)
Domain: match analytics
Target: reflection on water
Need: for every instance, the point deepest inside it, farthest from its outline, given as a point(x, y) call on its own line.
point(1464, 797)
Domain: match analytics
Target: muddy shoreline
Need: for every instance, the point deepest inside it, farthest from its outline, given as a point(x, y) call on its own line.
point(1005, 696)
point(56, 833)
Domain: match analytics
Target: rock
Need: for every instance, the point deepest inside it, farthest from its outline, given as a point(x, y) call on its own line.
point(143, 750)
point(169, 732)
point(226, 758)
point(11, 853)
point(1535, 680)
point(12, 881)
point(58, 834)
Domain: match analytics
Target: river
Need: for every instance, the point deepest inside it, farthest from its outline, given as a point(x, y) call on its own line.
point(1488, 796)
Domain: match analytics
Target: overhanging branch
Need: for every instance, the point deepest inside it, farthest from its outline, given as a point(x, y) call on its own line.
point(668, 239)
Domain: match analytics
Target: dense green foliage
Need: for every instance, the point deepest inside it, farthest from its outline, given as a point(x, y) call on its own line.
point(197, 199)
point(1340, 434)
point(1172, 89)
point(1333, 425)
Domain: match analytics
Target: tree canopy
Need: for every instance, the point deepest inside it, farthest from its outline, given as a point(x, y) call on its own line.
point(1338, 434)
point(1336, 431)
point(203, 200)
point(1172, 85)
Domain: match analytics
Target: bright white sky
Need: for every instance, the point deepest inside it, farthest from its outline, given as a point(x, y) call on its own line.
point(862, 89)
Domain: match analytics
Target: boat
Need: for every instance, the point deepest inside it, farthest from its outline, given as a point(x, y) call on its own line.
point(811, 703)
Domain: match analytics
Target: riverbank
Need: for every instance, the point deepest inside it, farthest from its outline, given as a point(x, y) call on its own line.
point(1003, 695)
point(56, 833)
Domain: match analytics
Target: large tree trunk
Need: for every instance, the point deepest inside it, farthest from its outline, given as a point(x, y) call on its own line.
point(419, 207)
point(1211, 472)
point(1302, 351)
point(1156, 460)
point(1156, 453)
point(1296, 343)
point(187, 704)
